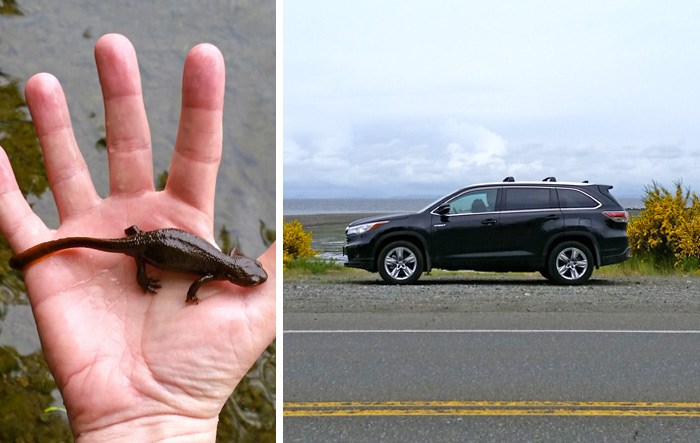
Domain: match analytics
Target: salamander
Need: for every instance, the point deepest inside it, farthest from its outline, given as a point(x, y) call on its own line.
point(168, 249)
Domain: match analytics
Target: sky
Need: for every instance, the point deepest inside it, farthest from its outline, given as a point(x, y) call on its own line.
point(418, 98)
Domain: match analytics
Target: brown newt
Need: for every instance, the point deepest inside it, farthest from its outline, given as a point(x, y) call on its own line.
point(167, 249)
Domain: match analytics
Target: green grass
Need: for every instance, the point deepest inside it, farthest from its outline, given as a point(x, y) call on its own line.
point(312, 266)
point(647, 265)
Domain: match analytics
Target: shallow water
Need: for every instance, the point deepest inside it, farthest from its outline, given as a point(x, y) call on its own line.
point(59, 37)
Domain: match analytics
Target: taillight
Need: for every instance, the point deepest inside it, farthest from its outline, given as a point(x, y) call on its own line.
point(617, 216)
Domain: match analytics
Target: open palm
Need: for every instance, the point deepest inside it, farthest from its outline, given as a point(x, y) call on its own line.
point(126, 362)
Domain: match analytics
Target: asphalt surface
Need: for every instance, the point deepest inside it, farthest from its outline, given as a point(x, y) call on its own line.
point(482, 361)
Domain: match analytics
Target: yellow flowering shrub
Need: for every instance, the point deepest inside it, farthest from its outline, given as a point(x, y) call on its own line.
point(669, 226)
point(296, 242)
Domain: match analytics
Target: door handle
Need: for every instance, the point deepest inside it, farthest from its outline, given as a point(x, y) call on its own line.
point(552, 217)
point(489, 222)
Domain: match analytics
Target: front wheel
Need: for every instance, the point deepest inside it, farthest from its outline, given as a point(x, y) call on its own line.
point(570, 263)
point(400, 263)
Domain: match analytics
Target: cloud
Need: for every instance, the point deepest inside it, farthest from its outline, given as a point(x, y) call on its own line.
point(431, 160)
point(663, 151)
point(472, 146)
point(456, 154)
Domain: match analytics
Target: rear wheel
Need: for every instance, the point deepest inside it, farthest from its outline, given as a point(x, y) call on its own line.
point(400, 263)
point(570, 263)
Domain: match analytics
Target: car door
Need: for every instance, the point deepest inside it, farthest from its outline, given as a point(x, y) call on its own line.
point(529, 218)
point(464, 229)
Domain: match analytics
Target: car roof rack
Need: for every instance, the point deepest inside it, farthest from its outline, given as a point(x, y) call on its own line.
point(509, 179)
point(549, 179)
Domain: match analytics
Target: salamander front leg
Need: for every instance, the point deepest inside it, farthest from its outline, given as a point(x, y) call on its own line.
point(132, 230)
point(192, 292)
point(148, 284)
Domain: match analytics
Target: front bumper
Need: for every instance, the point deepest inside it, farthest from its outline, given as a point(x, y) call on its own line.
point(359, 256)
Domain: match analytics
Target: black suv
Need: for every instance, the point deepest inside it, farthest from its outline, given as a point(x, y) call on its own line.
point(560, 229)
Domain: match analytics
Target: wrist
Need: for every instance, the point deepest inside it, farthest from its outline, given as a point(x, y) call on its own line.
point(171, 428)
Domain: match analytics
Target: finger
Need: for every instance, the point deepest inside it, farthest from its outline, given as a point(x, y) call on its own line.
point(66, 170)
point(128, 135)
point(18, 223)
point(192, 176)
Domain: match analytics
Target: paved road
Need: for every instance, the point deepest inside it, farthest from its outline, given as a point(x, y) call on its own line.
point(509, 377)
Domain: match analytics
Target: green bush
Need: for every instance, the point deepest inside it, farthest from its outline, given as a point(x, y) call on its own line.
point(668, 229)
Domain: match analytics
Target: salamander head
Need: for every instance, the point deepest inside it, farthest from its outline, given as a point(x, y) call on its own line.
point(248, 272)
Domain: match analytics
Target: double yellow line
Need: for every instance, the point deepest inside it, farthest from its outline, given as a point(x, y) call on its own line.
point(484, 408)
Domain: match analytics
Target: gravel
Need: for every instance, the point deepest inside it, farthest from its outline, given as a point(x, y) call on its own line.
point(492, 293)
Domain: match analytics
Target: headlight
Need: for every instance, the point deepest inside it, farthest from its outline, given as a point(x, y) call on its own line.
point(361, 229)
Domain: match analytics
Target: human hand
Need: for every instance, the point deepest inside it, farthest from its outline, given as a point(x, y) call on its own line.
point(128, 364)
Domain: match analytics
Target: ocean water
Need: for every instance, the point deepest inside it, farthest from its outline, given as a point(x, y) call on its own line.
point(310, 206)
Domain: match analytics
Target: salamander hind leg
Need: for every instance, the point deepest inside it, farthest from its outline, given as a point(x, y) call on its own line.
point(148, 284)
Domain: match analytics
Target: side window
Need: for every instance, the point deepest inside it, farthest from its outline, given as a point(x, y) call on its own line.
point(474, 202)
point(571, 198)
point(520, 199)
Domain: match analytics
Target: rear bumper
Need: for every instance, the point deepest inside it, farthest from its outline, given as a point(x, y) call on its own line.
point(615, 258)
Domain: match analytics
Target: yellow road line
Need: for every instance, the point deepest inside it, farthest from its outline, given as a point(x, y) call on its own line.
point(522, 408)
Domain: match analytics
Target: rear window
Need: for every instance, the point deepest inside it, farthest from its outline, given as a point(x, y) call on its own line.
point(572, 198)
point(519, 199)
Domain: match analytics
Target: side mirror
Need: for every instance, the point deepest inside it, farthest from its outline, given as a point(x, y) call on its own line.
point(443, 209)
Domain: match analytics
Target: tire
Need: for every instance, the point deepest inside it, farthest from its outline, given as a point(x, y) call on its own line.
point(570, 263)
point(400, 263)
